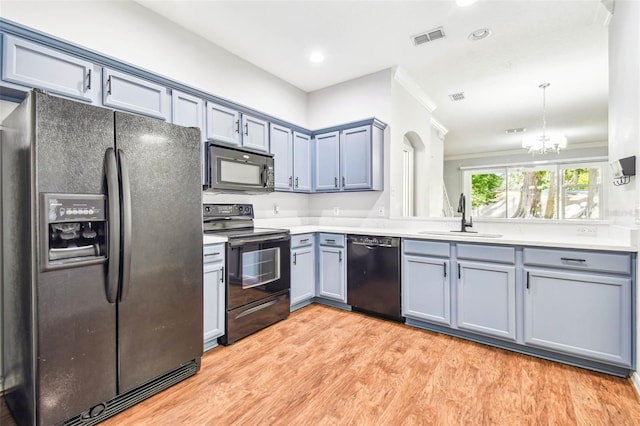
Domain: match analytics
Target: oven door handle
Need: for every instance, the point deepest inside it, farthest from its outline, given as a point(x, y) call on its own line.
point(262, 240)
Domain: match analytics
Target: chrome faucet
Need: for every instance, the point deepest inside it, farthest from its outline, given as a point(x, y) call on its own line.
point(462, 209)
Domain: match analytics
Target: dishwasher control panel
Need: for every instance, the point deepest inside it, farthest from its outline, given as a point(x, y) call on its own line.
point(374, 241)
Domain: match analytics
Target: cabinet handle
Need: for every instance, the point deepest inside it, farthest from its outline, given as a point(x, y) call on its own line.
point(296, 182)
point(109, 85)
point(344, 183)
point(237, 126)
point(569, 259)
point(527, 280)
point(304, 240)
point(335, 183)
point(339, 256)
point(89, 80)
point(290, 181)
point(459, 272)
point(212, 254)
point(295, 255)
point(444, 267)
point(330, 241)
point(222, 275)
point(246, 130)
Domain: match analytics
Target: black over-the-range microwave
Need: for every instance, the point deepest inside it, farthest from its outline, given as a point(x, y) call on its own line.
point(238, 170)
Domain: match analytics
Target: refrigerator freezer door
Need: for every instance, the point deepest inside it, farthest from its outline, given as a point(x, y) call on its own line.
point(76, 325)
point(160, 314)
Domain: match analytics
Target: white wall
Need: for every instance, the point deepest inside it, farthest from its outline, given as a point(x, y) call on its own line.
point(365, 97)
point(624, 120)
point(128, 32)
point(624, 105)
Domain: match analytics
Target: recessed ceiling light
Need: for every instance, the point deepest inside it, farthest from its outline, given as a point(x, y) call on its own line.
point(465, 3)
point(480, 34)
point(316, 57)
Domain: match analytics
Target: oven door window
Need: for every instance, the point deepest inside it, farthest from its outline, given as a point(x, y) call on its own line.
point(260, 267)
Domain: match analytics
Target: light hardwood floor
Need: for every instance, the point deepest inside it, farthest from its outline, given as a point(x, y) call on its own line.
point(324, 366)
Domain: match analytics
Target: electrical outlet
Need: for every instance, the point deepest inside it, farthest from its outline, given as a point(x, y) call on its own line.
point(381, 211)
point(587, 231)
point(336, 211)
point(276, 209)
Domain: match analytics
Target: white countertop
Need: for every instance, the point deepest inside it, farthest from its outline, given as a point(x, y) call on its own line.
point(512, 240)
point(529, 240)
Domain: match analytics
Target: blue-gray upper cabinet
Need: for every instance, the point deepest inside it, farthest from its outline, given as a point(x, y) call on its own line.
point(223, 124)
point(579, 303)
point(486, 290)
point(356, 149)
point(133, 94)
point(188, 110)
point(332, 271)
point(230, 126)
point(426, 281)
point(35, 66)
point(282, 149)
point(302, 162)
point(350, 159)
point(327, 155)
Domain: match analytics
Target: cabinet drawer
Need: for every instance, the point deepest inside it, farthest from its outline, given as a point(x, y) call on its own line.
point(301, 240)
point(213, 253)
point(431, 248)
point(336, 240)
point(487, 253)
point(618, 263)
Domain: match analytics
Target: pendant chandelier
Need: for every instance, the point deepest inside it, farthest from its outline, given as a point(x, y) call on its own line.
point(545, 142)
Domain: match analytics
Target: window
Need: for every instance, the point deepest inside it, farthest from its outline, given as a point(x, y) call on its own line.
point(567, 191)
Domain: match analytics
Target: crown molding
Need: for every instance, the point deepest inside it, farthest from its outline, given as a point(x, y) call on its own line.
point(413, 88)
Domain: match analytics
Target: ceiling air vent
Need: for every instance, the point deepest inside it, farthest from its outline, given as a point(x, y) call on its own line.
point(455, 97)
point(427, 36)
point(515, 130)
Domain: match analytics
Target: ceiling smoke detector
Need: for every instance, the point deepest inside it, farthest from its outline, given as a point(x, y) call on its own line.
point(455, 97)
point(427, 36)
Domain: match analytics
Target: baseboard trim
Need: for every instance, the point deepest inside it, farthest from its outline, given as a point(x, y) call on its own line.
point(635, 379)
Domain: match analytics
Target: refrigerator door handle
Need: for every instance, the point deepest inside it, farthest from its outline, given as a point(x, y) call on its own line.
point(126, 223)
point(113, 192)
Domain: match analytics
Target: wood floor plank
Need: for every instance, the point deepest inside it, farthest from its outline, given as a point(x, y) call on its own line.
point(325, 366)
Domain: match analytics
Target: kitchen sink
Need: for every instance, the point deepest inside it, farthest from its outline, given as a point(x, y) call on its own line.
point(466, 234)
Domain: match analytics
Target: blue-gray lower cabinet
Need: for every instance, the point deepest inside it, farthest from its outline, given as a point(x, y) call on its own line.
point(332, 271)
point(426, 289)
point(303, 269)
point(588, 315)
point(486, 299)
point(213, 293)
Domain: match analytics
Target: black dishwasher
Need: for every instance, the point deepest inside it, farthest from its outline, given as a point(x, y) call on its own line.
point(373, 275)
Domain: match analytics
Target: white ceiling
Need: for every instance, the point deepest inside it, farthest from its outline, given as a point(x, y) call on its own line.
point(560, 42)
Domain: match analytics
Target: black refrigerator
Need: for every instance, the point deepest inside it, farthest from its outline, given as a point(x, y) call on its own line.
point(101, 259)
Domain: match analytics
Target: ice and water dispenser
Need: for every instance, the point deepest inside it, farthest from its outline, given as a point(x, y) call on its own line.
point(76, 230)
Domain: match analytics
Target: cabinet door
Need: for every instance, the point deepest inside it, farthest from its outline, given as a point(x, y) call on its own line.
point(426, 289)
point(355, 156)
point(35, 66)
point(588, 315)
point(255, 133)
point(327, 170)
point(282, 149)
point(303, 277)
point(128, 93)
point(188, 111)
point(213, 303)
point(332, 278)
point(301, 162)
point(487, 299)
point(223, 124)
